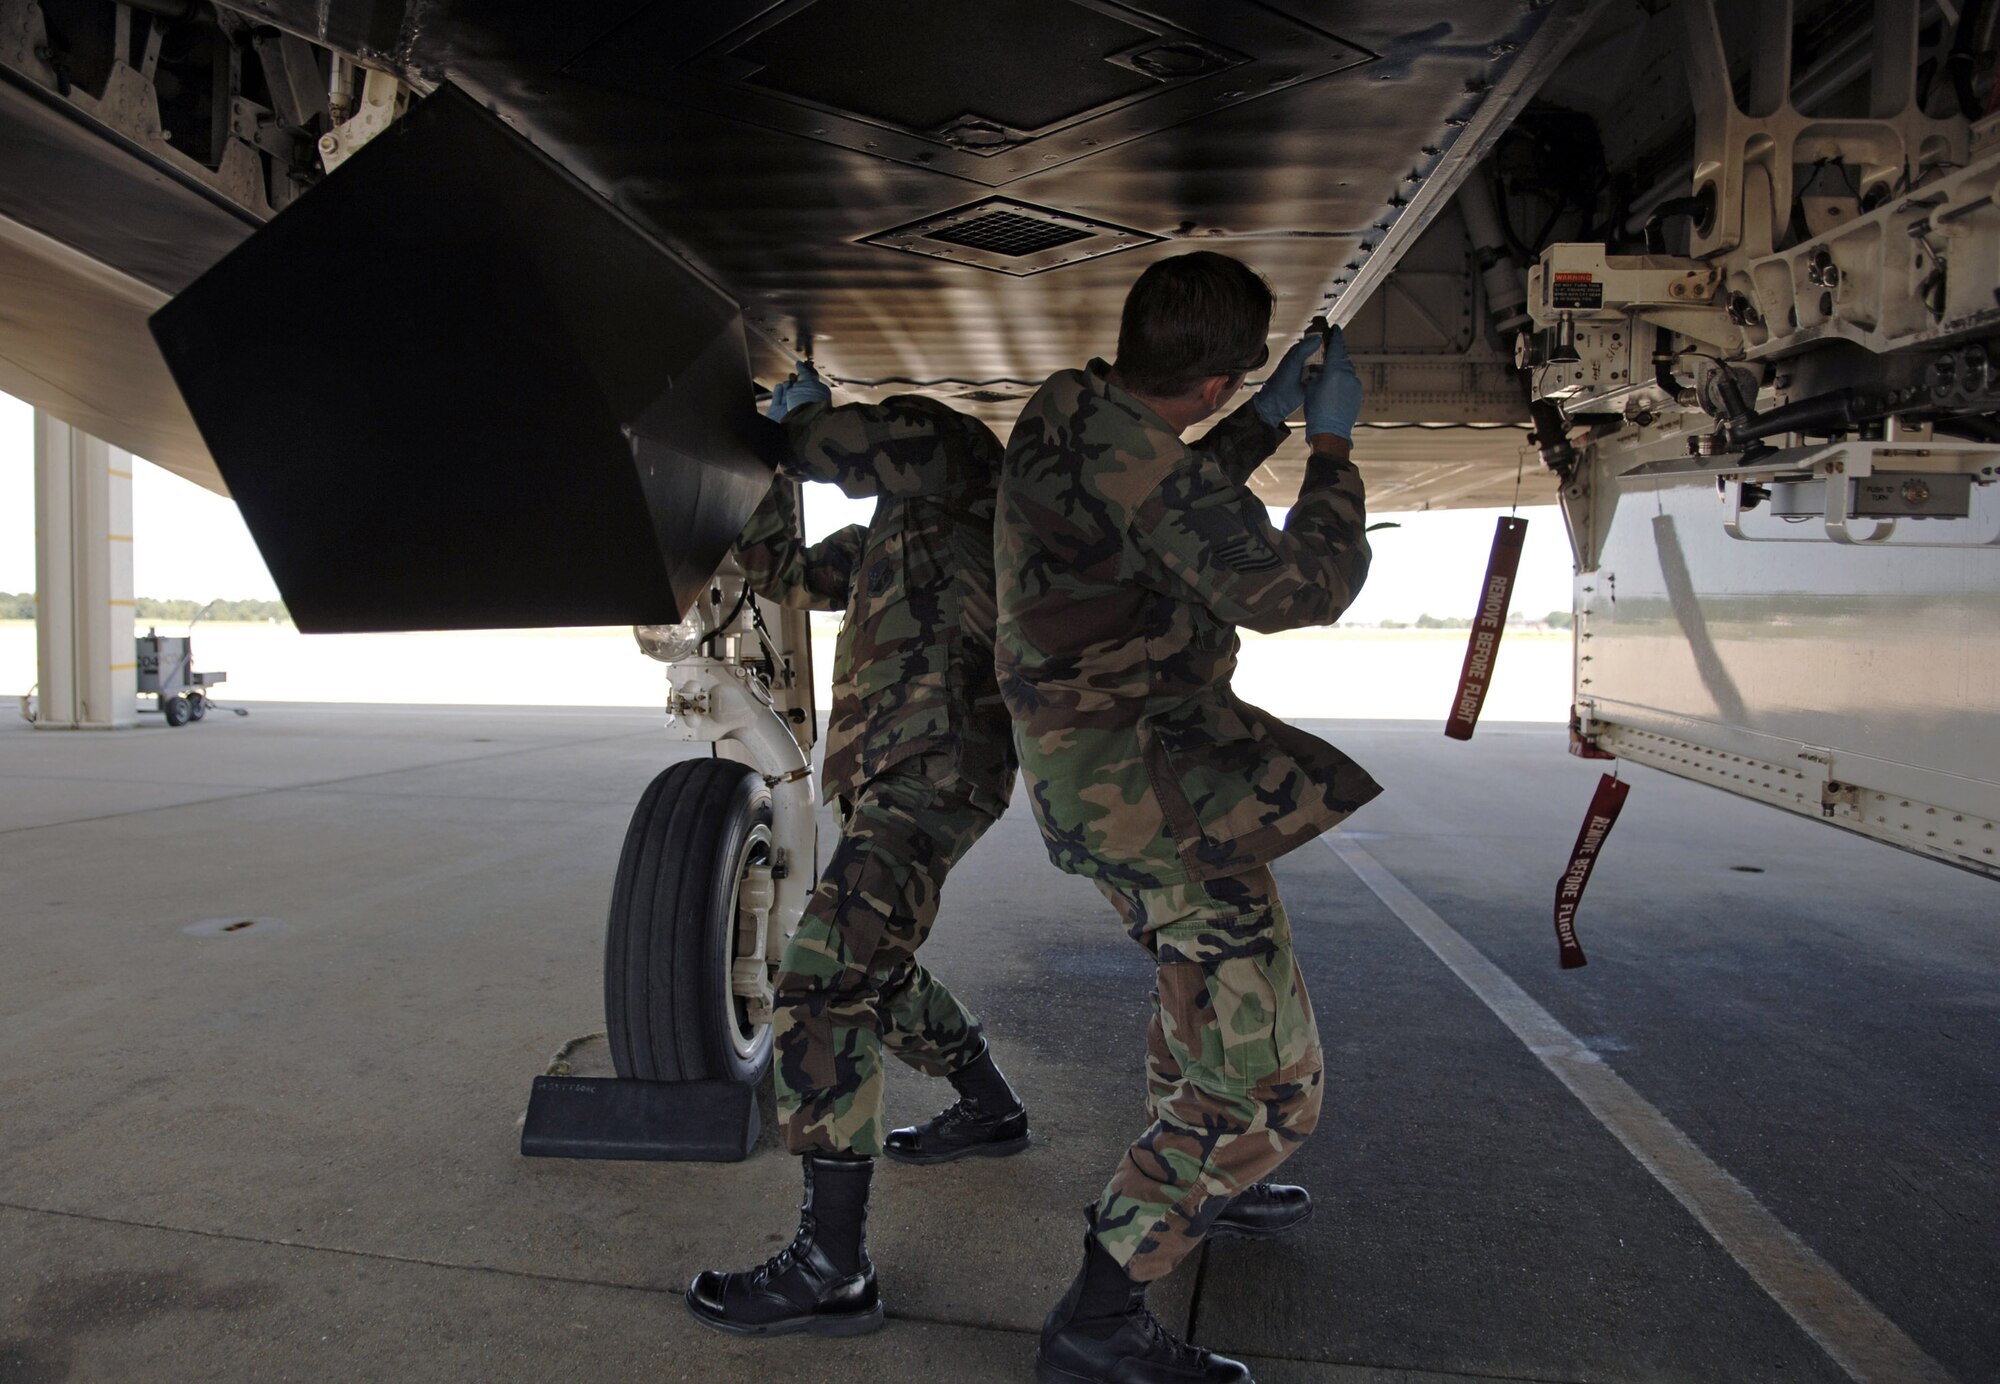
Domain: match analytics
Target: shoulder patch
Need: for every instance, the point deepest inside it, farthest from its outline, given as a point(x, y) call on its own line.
point(1247, 552)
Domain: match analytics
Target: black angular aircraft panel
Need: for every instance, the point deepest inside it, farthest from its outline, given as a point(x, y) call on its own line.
point(453, 388)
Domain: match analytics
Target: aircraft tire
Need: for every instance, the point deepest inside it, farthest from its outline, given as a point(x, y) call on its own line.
point(669, 1008)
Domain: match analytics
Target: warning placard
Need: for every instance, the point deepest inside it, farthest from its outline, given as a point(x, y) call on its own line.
point(1576, 290)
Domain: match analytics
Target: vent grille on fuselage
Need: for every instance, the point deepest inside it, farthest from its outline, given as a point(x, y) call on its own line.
point(1010, 237)
point(1009, 233)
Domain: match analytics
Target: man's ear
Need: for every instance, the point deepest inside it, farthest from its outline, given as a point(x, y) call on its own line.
point(1216, 389)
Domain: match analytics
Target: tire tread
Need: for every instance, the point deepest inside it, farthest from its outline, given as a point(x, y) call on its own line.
point(652, 963)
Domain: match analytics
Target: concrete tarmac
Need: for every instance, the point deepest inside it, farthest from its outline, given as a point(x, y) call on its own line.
point(290, 1150)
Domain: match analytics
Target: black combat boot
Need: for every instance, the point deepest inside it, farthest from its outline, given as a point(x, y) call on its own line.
point(1101, 1333)
point(1263, 1211)
point(822, 1282)
point(989, 1120)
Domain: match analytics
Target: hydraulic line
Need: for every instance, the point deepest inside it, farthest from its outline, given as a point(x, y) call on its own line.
point(1664, 357)
point(1699, 208)
point(1973, 427)
point(1970, 41)
point(1833, 411)
point(1552, 439)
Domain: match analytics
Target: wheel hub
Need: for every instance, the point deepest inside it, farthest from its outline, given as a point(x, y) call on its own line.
point(750, 967)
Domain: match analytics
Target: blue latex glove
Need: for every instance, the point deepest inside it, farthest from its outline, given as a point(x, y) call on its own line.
point(804, 387)
point(1284, 388)
point(1333, 398)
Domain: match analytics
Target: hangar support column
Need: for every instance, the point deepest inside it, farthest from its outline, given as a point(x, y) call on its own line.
point(83, 581)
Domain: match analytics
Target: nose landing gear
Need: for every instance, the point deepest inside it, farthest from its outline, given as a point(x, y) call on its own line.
point(699, 850)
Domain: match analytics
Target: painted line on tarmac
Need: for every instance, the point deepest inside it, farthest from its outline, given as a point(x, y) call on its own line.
point(1848, 1327)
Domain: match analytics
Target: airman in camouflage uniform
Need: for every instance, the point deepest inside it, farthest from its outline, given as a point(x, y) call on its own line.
point(1126, 561)
point(919, 762)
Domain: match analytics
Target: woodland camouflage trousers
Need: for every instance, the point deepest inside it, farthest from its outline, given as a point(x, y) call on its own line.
point(1233, 1068)
point(850, 984)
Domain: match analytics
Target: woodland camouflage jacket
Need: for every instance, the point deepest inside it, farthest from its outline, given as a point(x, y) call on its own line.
point(1126, 560)
point(913, 665)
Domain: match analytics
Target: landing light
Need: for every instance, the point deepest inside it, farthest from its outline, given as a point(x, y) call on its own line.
point(672, 643)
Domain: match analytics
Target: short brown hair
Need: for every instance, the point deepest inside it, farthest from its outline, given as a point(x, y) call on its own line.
point(1191, 317)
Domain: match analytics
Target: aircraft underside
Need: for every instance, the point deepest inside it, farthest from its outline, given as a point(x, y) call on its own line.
point(1724, 282)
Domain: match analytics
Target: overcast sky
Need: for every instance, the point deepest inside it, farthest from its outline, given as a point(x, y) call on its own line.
point(190, 544)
